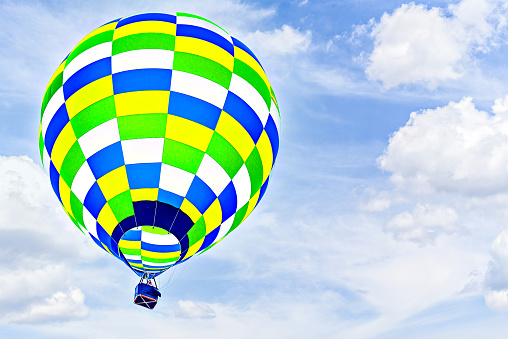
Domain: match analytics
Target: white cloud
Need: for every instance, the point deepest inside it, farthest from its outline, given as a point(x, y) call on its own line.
point(423, 224)
point(286, 40)
point(60, 306)
point(190, 309)
point(41, 247)
point(415, 44)
point(456, 148)
point(497, 300)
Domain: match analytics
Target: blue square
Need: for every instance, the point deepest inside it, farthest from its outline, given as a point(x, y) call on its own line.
point(200, 195)
point(194, 109)
point(228, 201)
point(106, 160)
point(244, 114)
point(94, 200)
point(144, 175)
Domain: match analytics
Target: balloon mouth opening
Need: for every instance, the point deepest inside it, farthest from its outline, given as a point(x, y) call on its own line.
point(149, 249)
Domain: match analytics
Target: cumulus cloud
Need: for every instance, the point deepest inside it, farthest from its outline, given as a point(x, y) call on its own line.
point(423, 224)
point(60, 306)
point(41, 246)
point(189, 309)
point(283, 41)
point(415, 44)
point(456, 148)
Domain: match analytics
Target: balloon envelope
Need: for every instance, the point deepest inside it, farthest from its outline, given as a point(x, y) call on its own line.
point(159, 133)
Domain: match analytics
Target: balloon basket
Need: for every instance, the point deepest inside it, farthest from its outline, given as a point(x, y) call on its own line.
point(146, 295)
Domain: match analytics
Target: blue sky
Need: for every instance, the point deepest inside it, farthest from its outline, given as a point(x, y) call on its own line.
point(386, 213)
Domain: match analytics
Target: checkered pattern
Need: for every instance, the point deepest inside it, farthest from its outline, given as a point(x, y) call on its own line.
point(164, 123)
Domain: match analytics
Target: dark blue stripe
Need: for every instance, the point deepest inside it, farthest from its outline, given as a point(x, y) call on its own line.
point(200, 195)
point(94, 200)
point(244, 114)
point(165, 214)
point(240, 45)
point(207, 35)
point(134, 261)
point(194, 109)
point(142, 80)
point(106, 160)
point(54, 177)
point(182, 224)
point(88, 74)
point(144, 176)
point(228, 201)
point(273, 136)
point(159, 248)
point(147, 17)
point(56, 125)
point(145, 212)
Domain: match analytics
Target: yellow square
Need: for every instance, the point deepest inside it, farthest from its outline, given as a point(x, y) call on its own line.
point(205, 49)
point(89, 94)
point(240, 54)
point(107, 219)
point(235, 134)
point(188, 132)
point(213, 216)
point(102, 29)
point(144, 194)
point(114, 183)
point(191, 210)
point(141, 102)
point(65, 196)
point(194, 248)
point(63, 144)
point(145, 27)
point(265, 152)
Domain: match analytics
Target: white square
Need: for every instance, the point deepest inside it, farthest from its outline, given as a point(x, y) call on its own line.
point(143, 151)
point(82, 182)
point(175, 180)
point(90, 223)
point(142, 58)
point(199, 87)
point(213, 174)
point(57, 100)
point(99, 138)
point(87, 57)
point(185, 20)
point(242, 186)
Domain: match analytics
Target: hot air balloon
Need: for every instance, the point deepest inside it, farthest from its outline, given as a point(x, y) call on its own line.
point(159, 133)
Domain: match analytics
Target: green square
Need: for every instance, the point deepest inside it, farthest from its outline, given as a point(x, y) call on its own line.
point(142, 126)
point(197, 232)
point(252, 77)
point(72, 163)
point(93, 116)
point(89, 43)
point(121, 205)
point(225, 154)
point(77, 208)
point(203, 67)
point(182, 156)
point(144, 41)
point(255, 168)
